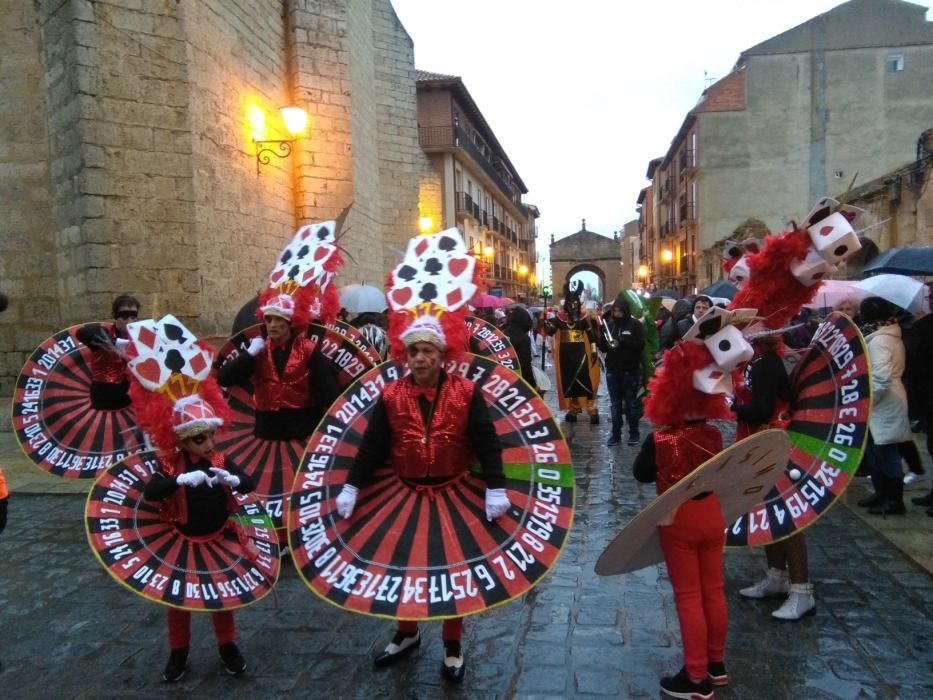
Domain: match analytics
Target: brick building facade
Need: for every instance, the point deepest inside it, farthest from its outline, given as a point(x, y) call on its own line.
point(128, 162)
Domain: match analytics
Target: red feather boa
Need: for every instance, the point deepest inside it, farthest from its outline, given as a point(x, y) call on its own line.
point(671, 399)
point(771, 288)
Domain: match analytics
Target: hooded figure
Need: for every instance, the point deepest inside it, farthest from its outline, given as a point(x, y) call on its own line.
point(517, 326)
point(623, 340)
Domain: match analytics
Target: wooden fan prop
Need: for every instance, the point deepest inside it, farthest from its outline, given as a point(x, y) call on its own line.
point(430, 553)
point(738, 476)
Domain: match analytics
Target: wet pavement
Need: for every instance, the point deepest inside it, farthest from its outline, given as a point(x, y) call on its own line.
point(68, 630)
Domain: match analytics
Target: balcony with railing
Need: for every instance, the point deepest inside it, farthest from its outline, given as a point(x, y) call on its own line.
point(466, 205)
point(688, 160)
point(687, 213)
point(666, 189)
point(443, 137)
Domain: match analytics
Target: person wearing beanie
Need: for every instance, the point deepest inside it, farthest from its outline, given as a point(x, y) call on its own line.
point(108, 341)
point(889, 423)
point(430, 425)
point(623, 340)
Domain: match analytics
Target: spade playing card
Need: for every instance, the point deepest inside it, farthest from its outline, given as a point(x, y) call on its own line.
point(302, 261)
point(163, 348)
point(437, 269)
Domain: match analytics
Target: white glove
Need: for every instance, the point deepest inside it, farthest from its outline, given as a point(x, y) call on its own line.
point(346, 501)
point(121, 344)
point(497, 504)
point(224, 477)
point(193, 479)
point(256, 345)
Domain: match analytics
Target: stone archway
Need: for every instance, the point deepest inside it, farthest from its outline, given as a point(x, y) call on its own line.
point(586, 267)
point(587, 251)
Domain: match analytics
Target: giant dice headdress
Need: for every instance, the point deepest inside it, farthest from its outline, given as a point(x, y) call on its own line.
point(428, 293)
point(784, 272)
point(171, 387)
point(300, 285)
point(695, 374)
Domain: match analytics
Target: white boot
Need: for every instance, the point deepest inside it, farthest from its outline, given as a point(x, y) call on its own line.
point(776, 582)
point(799, 602)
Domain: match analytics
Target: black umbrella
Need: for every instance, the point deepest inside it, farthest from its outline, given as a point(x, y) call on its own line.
point(902, 261)
point(724, 289)
point(669, 293)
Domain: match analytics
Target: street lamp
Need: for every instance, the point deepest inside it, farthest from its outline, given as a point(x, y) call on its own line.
point(667, 255)
point(296, 121)
point(425, 224)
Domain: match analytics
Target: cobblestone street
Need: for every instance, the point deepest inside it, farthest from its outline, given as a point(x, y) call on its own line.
point(68, 630)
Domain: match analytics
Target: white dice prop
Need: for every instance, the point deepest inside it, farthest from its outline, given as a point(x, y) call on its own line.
point(712, 379)
point(834, 238)
point(740, 273)
point(811, 269)
point(729, 348)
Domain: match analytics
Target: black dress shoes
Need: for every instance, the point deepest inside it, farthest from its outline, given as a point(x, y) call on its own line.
point(401, 645)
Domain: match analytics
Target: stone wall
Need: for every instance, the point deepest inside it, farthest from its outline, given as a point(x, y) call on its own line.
point(127, 155)
point(28, 266)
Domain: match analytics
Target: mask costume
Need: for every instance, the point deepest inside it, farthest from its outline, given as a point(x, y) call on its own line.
point(280, 388)
point(422, 473)
point(698, 486)
point(71, 408)
point(829, 386)
point(176, 525)
point(576, 363)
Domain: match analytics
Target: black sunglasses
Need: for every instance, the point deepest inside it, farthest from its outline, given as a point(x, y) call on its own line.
point(127, 313)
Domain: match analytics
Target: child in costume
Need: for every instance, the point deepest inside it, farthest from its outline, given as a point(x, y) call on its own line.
point(194, 482)
point(685, 392)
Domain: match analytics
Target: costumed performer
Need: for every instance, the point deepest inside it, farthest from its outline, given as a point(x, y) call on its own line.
point(194, 483)
point(575, 360)
point(623, 341)
point(108, 342)
point(429, 425)
point(686, 391)
point(778, 278)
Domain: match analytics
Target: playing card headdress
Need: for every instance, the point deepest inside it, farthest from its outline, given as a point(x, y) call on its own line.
point(171, 387)
point(783, 273)
point(428, 292)
point(300, 285)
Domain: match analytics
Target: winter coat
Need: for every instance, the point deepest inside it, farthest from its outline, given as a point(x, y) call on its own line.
point(889, 423)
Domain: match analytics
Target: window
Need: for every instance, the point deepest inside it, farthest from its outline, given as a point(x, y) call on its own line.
point(895, 62)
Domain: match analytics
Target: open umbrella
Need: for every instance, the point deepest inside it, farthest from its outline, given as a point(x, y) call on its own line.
point(831, 292)
point(722, 288)
point(488, 301)
point(900, 290)
point(669, 293)
point(902, 261)
point(363, 298)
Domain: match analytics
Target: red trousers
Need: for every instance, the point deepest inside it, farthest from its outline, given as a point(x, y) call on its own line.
point(451, 630)
point(179, 627)
point(693, 552)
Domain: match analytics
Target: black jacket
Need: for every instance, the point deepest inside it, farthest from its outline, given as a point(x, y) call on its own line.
point(630, 334)
point(767, 380)
point(207, 505)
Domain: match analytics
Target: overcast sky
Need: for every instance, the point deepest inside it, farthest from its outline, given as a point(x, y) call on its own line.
point(583, 94)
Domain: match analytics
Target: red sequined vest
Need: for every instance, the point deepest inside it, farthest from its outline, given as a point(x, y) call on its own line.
point(106, 366)
point(439, 449)
point(291, 390)
point(678, 451)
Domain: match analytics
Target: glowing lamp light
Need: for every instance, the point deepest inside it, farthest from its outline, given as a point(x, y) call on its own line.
point(256, 116)
point(489, 251)
point(642, 270)
point(425, 224)
point(666, 255)
point(523, 270)
point(295, 118)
